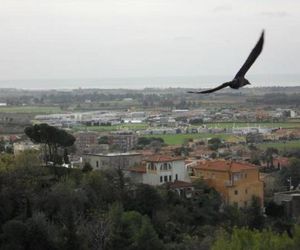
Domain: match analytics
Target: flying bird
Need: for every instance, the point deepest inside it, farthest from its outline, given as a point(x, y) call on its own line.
point(239, 80)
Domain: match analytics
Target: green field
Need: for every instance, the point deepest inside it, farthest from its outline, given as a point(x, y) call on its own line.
point(281, 145)
point(127, 126)
point(178, 139)
point(31, 109)
point(295, 124)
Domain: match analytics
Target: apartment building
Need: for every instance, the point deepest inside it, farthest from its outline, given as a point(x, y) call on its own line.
point(237, 182)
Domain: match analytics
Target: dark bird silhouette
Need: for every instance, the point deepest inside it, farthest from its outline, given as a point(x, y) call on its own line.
point(239, 80)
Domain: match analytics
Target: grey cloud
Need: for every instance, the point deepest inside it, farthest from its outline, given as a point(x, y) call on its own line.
point(274, 14)
point(183, 38)
point(223, 7)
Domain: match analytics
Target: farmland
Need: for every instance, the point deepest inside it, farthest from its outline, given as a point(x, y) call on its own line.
point(286, 145)
point(178, 139)
point(288, 124)
point(31, 109)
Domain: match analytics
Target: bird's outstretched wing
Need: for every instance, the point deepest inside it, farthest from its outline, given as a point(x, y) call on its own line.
point(224, 85)
point(252, 57)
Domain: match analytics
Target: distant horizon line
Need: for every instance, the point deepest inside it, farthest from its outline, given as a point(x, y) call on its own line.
point(144, 88)
point(142, 82)
point(144, 77)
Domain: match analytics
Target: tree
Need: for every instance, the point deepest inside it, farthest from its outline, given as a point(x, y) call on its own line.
point(274, 210)
point(182, 151)
point(29, 156)
point(234, 217)
point(6, 162)
point(103, 140)
point(40, 233)
point(205, 206)
point(131, 231)
point(87, 167)
point(14, 235)
point(268, 156)
point(51, 137)
point(100, 189)
point(247, 239)
point(254, 138)
point(214, 143)
point(97, 231)
point(66, 156)
point(151, 142)
point(145, 200)
point(255, 218)
point(2, 146)
point(292, 172)
point(146, 237)
point(196, 121)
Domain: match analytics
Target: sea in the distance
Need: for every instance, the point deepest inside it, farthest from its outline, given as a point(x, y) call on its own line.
point(149, 82)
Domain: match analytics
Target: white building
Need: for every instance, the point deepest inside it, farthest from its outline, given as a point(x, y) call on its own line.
point(113, 160)
point(159, 170)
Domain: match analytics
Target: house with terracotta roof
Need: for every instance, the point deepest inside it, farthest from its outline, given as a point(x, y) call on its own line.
point(159, 169)
point(281, 162)
point(182, 188)
point(237, 182)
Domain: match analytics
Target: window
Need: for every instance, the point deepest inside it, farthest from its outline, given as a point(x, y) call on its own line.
point(176, 177)
point(97, 164)
point(165, 166)
point(161, 179)
point(152, 166)
point(246, 191)
point(170, 177)
point(236, 192)
point(165, 178)
point(245, 175)
point(236, 176)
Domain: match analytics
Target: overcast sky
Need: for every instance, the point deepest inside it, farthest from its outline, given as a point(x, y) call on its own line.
point(54, 39)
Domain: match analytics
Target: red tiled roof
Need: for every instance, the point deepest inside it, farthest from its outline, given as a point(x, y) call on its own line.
point(222, 165)
point(139, 169)
point(180, 184)
point(144, 152)
point(163, 158)
point(199, 152)
point(188, 161)
point(283, 161)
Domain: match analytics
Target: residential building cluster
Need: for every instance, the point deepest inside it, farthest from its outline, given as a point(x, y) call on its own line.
point(226, 167)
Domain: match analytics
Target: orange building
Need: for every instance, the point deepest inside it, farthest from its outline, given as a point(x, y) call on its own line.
point(236, 182)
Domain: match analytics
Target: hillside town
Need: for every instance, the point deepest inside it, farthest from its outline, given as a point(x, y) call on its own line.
point(229, 148)
point(149, 125)
point(216, 164)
